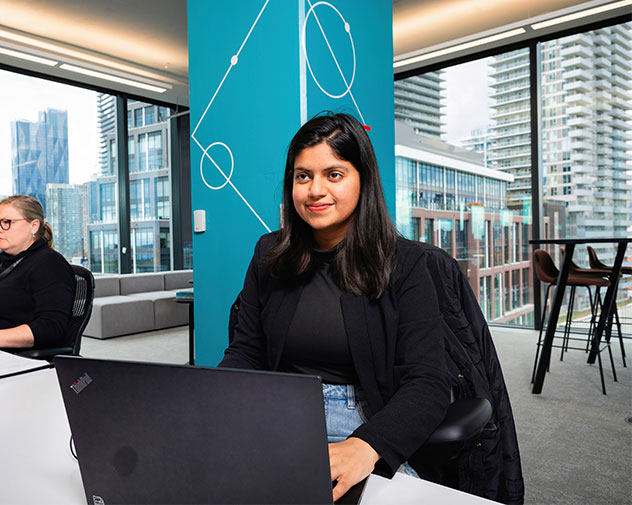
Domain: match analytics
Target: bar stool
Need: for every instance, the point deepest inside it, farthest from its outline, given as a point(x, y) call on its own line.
point(547, 272)
point(591, 273)
point(596, 264)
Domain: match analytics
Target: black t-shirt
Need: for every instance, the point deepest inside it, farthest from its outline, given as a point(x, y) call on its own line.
point(37, 291)
point(317, 341)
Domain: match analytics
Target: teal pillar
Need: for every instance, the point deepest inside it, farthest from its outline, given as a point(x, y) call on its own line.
point(257, 71)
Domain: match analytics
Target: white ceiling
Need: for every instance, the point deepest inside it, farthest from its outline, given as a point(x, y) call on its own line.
point(148, 38)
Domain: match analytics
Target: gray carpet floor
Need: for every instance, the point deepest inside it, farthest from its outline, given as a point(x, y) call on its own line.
point(576, 443)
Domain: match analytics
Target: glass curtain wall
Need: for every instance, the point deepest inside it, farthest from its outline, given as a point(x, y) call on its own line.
point(586, 134)
point(58, 143)
point(474, 120)
point(464, 182)
point(149, 185)
point(56, 146)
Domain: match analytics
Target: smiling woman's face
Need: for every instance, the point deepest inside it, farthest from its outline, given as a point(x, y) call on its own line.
point(325, 192)
point(19, 236)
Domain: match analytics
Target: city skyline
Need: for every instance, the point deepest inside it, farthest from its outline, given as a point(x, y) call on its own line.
point(24, 97)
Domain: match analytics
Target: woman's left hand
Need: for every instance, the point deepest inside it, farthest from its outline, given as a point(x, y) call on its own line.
point(350, 461)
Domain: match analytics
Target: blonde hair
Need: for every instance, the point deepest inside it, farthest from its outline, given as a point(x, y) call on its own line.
point(31, 209)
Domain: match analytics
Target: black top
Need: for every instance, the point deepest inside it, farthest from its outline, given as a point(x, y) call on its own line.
point(37, 291)
point(316, 342)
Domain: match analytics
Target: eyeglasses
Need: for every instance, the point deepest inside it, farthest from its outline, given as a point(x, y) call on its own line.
point(5, 224)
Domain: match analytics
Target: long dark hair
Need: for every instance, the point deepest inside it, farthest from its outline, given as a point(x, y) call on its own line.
point(367, 255)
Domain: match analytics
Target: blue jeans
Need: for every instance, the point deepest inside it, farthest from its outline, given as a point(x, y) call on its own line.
point(343, 414)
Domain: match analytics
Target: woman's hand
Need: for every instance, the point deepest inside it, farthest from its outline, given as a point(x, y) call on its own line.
point(350, 461)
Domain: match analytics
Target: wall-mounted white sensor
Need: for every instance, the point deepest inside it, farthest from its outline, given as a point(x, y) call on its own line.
point(199, 221)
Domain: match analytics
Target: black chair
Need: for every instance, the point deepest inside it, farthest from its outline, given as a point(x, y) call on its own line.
point(81, 311)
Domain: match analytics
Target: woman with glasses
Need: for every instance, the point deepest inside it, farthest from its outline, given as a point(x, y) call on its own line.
point(37, 285)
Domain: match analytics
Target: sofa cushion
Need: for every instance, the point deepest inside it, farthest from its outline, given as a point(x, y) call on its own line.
point(141, 283)
point(178, 279)
point(106, 286)
point(113, 316)
point(167, 312)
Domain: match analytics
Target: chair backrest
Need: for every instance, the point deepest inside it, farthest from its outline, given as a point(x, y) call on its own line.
point(545, 269)
point(82, 305)
point(593, 259)
point(574, 266)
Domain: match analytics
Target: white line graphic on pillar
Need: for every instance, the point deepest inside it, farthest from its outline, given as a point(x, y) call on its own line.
point(205, 151)
point(349, 84)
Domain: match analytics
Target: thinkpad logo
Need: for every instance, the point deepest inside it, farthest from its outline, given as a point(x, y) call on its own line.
point(97, 500)
point(78, 386)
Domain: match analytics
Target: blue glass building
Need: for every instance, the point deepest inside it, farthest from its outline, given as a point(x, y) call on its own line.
point(39, 153)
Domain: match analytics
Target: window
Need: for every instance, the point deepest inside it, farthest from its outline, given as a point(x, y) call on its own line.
point(585, 163)
point(138, 117)
point(150, 115)
point(62, 149)
point(150, 191)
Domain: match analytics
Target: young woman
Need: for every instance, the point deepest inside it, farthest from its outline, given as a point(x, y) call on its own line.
point(337, 293)
point(37, 285)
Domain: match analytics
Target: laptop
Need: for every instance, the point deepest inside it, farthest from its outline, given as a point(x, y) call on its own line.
point(155, 433)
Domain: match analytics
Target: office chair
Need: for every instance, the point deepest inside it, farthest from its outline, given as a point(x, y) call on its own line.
point(81, 311)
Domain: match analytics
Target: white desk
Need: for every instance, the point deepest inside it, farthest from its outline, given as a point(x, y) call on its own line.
point(35, 461)
point(36, 465)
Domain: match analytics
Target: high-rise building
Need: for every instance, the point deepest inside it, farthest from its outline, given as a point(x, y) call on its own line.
point(106, 118)
point(67, 215)
point(39, 153)
point(480, 140)
point(446, 197)
point(585, 93)
point(418, 103)
point(149, 189)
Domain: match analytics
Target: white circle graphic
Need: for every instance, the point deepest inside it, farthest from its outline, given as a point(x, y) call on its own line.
point(348, 30)
point(206, 155)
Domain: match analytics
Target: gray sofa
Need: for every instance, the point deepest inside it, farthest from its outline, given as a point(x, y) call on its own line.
point(131, 303)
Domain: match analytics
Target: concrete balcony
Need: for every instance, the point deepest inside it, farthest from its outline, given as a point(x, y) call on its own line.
point(578, 74)
point(604, 129)
point(577, 62)
point(580, 38)
point(579, 207)
point(505, 114)
point(582, 146)
point(582, 157)
point(580, 133)
point(579, 110)
point(588, 181)
point(621, 60)
point(576, 50)
point(577, 98)
point(577, 86)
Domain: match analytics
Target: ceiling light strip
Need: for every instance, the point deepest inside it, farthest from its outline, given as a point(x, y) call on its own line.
point(460, 47)
point(29, 57)
point(46, 46)
point(581, 14)
point(113, 78)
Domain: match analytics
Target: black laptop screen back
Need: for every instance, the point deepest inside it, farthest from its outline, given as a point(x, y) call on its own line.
point(148, 433)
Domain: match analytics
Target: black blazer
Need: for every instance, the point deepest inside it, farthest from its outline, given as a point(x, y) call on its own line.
point(396, 343)
point(425, 336)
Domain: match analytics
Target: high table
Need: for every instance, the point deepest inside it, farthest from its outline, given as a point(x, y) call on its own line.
point(608, 304)
point(36, 465)
point(187, 297)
